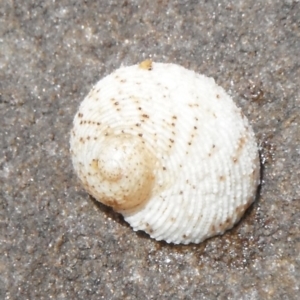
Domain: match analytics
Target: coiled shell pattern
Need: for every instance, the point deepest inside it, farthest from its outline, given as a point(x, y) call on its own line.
point(168, 149)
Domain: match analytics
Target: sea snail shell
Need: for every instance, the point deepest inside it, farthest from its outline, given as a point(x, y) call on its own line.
point(168, 149)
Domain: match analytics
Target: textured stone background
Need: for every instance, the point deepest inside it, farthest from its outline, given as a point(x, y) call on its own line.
point(56, 242)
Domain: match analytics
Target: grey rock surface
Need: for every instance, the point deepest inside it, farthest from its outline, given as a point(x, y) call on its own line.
point(56, 242)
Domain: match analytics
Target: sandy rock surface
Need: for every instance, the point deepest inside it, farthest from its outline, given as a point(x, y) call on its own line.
point(56, 242)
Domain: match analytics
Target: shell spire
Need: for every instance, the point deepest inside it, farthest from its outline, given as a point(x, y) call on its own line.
point(124, 167)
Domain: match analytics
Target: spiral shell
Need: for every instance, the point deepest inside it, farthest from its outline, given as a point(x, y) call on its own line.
point(168, 149)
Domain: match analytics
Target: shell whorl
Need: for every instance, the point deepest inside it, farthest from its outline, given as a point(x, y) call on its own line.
point(124, 168)
point(167, 148)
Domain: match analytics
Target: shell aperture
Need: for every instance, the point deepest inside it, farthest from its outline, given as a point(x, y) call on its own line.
point(167, 148)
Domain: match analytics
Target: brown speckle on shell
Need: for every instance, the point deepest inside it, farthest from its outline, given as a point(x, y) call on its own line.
point(146, 64)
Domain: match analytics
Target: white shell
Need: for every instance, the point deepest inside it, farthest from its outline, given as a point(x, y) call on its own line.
point(168, 149)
